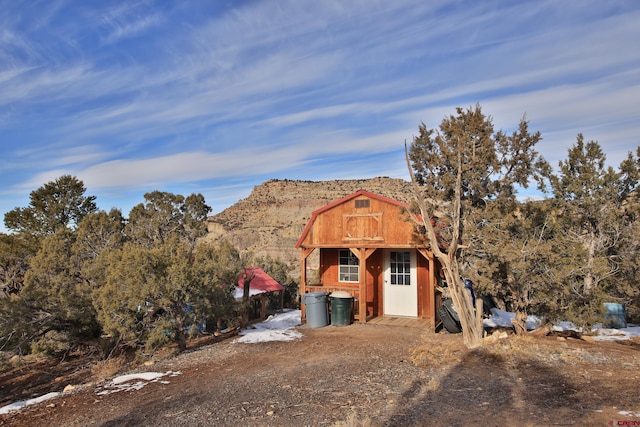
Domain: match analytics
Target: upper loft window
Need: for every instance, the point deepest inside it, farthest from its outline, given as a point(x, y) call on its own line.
point(363, 203)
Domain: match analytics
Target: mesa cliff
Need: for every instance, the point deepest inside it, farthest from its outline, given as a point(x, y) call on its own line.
point(270, 221)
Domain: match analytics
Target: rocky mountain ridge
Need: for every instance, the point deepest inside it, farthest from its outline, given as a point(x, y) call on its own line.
point(271, 220)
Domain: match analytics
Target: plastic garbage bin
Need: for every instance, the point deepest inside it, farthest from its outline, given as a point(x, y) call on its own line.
point(341, 303)
point(317, 309)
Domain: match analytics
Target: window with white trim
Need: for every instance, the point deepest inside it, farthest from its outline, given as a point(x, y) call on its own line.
point(348, 266)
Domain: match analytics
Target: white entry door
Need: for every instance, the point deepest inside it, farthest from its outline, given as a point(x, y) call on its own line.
point(400, 297)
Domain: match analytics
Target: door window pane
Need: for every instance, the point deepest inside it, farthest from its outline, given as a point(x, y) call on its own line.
point(400, 264)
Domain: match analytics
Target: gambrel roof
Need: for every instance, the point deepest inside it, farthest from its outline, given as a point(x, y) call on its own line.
point(359, 193)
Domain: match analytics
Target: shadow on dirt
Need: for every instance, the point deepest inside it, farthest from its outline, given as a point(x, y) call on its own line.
point(168, 411)
point(490, 389)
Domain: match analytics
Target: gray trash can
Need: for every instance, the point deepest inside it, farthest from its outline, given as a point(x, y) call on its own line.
point(317, 309)
point(341, 303)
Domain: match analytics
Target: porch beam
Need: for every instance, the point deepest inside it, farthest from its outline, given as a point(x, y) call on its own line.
point(368, 252)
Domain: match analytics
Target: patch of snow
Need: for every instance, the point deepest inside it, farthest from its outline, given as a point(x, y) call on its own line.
point(502, 319)
point(565, 326)
point(147, 376)
point(19, 405)
point(622, 334)
point(278, 327)
point(238, 293)
point(124, 382)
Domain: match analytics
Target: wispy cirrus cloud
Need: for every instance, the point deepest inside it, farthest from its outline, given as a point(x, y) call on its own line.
point(206, 94)
point(125, 20)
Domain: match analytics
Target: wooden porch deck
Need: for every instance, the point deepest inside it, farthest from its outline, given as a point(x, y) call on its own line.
point(407, 322)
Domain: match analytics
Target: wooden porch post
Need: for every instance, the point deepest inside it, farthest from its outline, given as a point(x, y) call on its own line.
point(303, 281)
point(263, 307)
point(432, 291)
point(361, 253)
point(431, 286)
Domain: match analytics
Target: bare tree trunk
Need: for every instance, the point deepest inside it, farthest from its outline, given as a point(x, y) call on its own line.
point(589, 279)
point(181, 337)
point(520, 308)
point(520, 301)
point(246, 306)
point(520, 322)
point(470, 316)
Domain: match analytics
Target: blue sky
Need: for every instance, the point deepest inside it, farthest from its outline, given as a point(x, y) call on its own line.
point(216, 97)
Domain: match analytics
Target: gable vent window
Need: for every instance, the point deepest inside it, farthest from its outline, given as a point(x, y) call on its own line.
point(362, 203)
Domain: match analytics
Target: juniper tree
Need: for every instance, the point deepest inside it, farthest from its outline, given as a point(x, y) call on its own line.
point(587, 191)
point(628, 249)
point(57, 204)
point(153, 296)
point(522, 257)
point(164, 214)
point(49, 295)
point(217, 267)
point(627, 259)
point(15, 253)
point(596, 206)
point(280, 271)
point(58, 298)
point(457, 170)
point(97, 235)
point(161, 284)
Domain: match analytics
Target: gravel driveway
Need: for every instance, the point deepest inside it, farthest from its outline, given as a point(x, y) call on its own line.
point(368, 375)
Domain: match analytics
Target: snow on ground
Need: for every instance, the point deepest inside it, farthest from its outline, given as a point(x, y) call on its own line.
point(122, 383)
point(134, 381)
point(500, 318)
point(621, 334)
point(21, 404)
point(278, 327)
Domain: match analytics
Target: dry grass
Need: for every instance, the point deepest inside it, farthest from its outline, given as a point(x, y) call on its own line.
point(353, 420)
point(106, 369)
point(441, 354)
point(510, 349)
point(517, 349)
point(433, 385)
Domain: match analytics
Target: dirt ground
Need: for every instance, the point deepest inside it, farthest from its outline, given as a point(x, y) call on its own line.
point(358, 375)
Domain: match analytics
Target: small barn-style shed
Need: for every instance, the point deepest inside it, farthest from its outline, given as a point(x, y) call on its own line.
point(367, 248)
point(260, 287)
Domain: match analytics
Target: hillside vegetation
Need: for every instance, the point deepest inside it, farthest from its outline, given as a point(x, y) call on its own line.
point(70, 272)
